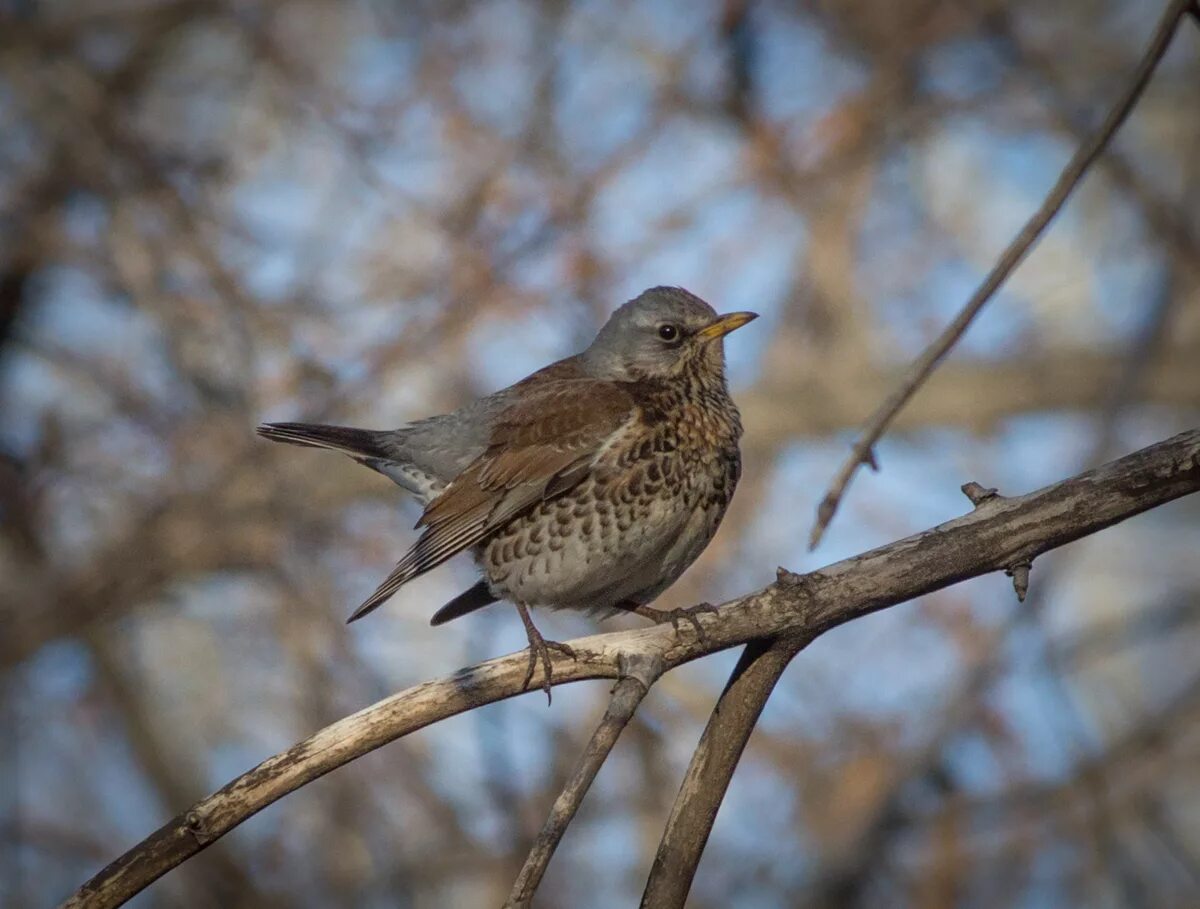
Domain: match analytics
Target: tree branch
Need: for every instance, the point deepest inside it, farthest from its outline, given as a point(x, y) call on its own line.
point(846, 871)
point(626, 696)
point(716, 757)
point(863, 449)
point(995, 536)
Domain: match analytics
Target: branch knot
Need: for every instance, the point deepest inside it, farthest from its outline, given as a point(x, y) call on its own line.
point(1019, 572)
point(979, 494)
point(786, 578)
point(197, 826)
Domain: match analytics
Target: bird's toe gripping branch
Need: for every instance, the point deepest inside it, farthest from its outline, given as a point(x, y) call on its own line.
point(539, 651)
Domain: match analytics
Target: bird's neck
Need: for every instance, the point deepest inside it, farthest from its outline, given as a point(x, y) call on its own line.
point(696, 396)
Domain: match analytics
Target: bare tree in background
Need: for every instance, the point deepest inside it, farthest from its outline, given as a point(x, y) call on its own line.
point(212, 213)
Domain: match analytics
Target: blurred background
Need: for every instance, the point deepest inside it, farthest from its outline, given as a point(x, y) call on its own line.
point(217, 213)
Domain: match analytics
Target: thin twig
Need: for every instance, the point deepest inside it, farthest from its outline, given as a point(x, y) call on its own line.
point(626, 696)
point(981, 542)
point(863, 449)
point(716, 757)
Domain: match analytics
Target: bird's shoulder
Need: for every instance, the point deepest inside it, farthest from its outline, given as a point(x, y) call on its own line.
point(564, 413)
point(541, 444)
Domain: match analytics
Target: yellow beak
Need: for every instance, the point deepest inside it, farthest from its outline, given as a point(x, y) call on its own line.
point(725, 324)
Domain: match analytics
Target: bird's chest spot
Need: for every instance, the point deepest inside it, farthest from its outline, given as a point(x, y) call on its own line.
point(687, 447)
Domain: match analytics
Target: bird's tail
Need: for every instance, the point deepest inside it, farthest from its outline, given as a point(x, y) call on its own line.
point(358, 443)
point(468, 601)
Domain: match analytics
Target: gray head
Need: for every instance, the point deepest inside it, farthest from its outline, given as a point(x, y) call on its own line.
point(659, 333)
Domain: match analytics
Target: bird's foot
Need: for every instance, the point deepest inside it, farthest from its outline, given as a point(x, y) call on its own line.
point(675, 616)
point(539, 651)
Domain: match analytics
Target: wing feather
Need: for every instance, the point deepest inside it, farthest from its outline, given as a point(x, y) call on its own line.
point(540, 447)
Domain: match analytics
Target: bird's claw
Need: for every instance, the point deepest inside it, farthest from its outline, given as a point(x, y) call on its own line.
point(675, 616)
point(539, 650)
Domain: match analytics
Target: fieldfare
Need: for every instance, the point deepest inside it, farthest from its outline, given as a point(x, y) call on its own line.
point(592, 484)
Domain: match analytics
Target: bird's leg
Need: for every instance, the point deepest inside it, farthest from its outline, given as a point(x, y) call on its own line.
point(674, 616)
point(539, 649)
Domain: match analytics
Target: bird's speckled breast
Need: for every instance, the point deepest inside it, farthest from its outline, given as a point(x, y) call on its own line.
point(651, 503)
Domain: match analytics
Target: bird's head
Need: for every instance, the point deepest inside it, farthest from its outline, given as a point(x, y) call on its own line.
point(660, 333)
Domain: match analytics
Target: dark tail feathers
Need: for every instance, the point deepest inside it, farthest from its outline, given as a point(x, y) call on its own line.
point(358, 443)
point(468, 601)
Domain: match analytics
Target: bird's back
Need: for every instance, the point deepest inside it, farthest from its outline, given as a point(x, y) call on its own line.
point(445, 445)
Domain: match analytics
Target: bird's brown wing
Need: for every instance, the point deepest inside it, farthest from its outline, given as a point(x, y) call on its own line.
point(540, 447)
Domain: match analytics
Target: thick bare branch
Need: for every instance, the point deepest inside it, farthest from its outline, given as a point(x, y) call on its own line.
point(626, 696)
point(716, 757)
point(863, 449)
point(990, 539)
point(846, 871)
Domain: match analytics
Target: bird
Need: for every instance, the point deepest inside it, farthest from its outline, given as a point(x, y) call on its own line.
point(591, 484)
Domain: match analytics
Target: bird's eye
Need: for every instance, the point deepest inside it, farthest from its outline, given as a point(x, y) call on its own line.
point(668, 332)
